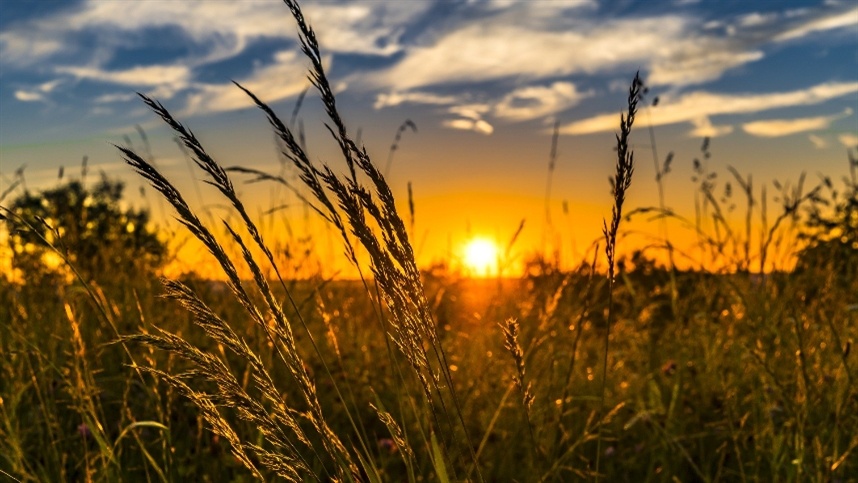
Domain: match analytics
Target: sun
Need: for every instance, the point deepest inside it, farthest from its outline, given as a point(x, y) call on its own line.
point(481, 257)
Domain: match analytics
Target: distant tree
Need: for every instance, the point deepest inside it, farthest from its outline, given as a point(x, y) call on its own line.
point(833, 230)
point(88, 225)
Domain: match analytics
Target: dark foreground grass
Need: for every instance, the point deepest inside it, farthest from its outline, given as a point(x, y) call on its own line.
point(643, 373)
point(749, 381)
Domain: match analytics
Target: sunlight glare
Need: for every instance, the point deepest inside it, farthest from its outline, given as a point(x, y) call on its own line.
point(481, 256)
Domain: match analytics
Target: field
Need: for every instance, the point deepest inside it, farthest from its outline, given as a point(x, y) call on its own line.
point(625, 368)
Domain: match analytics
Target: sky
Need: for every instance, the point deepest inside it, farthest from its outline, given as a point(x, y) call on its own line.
point(774, 84)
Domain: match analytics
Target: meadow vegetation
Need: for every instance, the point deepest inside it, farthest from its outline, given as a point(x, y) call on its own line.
point(739, 368)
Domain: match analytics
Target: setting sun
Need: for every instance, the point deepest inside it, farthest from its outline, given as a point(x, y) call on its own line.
point(481, 256)
point(525, 287)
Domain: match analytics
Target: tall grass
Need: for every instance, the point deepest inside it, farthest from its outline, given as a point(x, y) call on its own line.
point(641, 373)
point(620, 183)
point(356, 208)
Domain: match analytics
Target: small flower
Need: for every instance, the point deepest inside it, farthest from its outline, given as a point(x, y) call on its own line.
point(84, 431)
point(387, 444)
point(669, 367)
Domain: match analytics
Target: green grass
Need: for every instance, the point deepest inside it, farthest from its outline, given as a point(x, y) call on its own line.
point(746, 382)
point(643, 373)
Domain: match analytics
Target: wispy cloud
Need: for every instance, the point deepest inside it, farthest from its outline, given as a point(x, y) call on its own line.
point(521, 104)
point(539, 101)
point(508, 47)
point(38, 92)
point(676, 49)
point(118, 97)
point(531, 54)
point(283, 78)
point(477, 125)
point(848, 140)
point(832, 21)
point(470, 118)
point(29, 96)
point(24, 47)
point(818, 141)
point(392, 99)
point(703, 128)
point(785, 127)
point(551, 7)
point(152, 75)
point(694, 106)
point(220, 29)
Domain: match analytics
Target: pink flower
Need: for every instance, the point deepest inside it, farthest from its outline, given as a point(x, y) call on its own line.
point(84, 431)
point(388, 445)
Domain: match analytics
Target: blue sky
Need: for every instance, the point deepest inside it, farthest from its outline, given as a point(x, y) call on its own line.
point(774, 83)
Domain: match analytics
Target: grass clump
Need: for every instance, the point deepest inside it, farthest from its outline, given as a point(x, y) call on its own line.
point(637, 372)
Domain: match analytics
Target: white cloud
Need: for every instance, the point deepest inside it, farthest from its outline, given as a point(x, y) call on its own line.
point(703, 128)
point(695, 105)
point(37, 93)
point(470, 118)
point(507, 46)
point(413, 97)
point(49, 86)
point(152, 75)
point(521, 104)
point(29, 96)
point(818, 142)
point(218, 31)
point(470, 111)
point(477, 125)
point(677, 49)
point(24, 47)
point(836, 20)
point(533, 8)
point(755, 19)
point(785, 127)
point(532, 45)
point(119, 97)
point(848, 140)
point(696, 63)
point(538, 101)
point(271, 83)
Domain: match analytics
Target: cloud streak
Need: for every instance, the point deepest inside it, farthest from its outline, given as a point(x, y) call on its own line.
point(282, 79)
point(694, 106)
point(676, 49)
point(532, 56)
point(784, 127)
point(538, 101)
point(152, 75)
point(833, 21)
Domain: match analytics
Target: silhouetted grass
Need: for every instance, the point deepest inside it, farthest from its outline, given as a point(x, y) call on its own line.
point(641, 373)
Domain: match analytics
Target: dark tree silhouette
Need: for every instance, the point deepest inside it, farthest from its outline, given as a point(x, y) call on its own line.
point(833, 229)
point(88, 225)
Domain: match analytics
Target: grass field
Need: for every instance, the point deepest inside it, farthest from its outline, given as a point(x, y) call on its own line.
point(621, 369)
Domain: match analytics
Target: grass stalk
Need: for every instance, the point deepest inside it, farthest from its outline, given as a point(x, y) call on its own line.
point(620, 184)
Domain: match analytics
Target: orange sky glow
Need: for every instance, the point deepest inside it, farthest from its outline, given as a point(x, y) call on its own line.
point(483, 84)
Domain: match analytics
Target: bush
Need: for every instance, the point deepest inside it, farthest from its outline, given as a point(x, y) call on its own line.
point(86, 225)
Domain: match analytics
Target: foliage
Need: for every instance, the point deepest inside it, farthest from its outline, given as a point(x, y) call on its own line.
point(87, 225)
point(832, 228)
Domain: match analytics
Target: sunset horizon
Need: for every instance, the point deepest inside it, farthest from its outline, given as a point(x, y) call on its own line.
point(494, 124)
point(430, 240)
